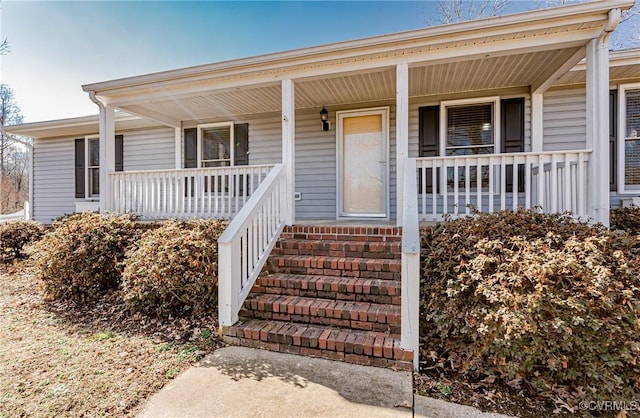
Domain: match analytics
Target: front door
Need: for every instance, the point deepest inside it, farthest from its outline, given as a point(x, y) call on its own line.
point(362, 163)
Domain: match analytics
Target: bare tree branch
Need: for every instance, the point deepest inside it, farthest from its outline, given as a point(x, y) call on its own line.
point(451, 11)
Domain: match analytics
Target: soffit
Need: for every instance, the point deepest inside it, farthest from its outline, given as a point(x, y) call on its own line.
point(359, 87)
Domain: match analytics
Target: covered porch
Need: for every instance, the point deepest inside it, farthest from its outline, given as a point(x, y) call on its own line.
point(429, 138)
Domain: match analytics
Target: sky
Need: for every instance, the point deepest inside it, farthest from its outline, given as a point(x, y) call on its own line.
point(57, 46)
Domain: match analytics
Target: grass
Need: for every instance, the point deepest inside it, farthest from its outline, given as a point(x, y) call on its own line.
point(65, 360)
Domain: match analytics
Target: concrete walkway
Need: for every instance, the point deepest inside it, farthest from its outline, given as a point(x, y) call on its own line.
point(245, 382)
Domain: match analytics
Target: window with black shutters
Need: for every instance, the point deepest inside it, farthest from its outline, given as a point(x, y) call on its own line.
point(87, 165)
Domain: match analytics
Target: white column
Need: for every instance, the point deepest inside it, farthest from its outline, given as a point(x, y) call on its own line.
point(107, 155)
point(402, 133)
point(537, 122)
point(178, 147)
point(288, 146)
point(598, 128)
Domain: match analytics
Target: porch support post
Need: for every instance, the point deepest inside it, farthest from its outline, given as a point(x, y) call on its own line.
point(178, 147)
point(402, 133)
point(598, 128)
point(107, 155)
point(288, 147)
point(537, 122)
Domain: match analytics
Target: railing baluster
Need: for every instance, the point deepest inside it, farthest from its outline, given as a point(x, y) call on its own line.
point(491, 196)
point(503, 184)
point(479, 184)
point(553, 187)
point(541, 190)
point(514, 183)
point(456, 188)
point(527, 182)
point(567, 183)
point(434, 190)
point(467, 186)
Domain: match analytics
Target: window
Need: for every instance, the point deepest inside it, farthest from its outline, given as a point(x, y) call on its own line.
point(629, 148)
point(87, 165)
point(472, 127)
point(93, 167)
point(215, 145)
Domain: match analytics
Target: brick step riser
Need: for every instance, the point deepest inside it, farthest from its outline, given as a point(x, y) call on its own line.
point(338, 249)
point(346, 237)
point(383, 275)
point(333, 288)
point(322, 320)
point(320, 353)
point(360, 347)
point(324, 294)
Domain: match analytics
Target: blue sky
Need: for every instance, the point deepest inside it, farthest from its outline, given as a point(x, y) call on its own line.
point(57, 46)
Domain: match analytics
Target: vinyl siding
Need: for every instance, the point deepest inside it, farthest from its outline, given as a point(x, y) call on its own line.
point(53, 175)
point(565, 121)
point(149, 150)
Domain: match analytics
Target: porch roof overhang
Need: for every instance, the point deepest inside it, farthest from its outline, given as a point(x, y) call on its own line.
point(531, 49)
point(79, 126)
point(624, 66)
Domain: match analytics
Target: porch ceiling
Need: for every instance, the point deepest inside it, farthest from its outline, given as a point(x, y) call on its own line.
point(425, 79)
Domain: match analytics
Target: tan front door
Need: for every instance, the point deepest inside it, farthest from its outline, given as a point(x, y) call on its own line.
point(362, 157)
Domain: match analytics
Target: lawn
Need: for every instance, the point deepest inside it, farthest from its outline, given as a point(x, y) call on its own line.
point(62, 359)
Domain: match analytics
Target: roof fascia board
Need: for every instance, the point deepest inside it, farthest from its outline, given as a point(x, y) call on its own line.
point(576, 13)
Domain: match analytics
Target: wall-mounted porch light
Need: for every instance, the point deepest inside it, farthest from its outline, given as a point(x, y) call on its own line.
point(324, 117)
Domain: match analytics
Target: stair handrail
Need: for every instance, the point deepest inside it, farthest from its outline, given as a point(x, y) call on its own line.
point(245, 245)
point(410, 271)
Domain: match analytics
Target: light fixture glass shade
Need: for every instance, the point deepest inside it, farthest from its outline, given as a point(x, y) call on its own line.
point(324, 114)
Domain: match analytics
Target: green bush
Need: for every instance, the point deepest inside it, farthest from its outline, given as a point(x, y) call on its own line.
point(173, 270)
point(626, 219)
point(81, 256)
point(15, 235)
point(540, 299)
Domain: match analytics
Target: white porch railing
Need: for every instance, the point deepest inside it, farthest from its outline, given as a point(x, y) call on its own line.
point(552, 181)
point(245, 245)
point(187, 193)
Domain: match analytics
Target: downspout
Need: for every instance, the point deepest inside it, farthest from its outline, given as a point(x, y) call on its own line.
point(102, 123)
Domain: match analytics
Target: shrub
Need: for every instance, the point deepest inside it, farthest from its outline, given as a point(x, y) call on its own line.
point(81, 256)
point(173, 270)
point(537, 299)
point(626, 219)
point(15, 235)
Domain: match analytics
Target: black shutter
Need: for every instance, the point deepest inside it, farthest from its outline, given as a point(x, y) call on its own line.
point(79, 164)
point(428, 139)
point(119, 152)
point(613, 140)
point(190, 148)
point(429, 125)
point(241, 136)
point(512, 135)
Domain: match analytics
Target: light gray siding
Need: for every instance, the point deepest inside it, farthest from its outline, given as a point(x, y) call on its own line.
point(565, 121)
point(149, 149)
point(54, 182)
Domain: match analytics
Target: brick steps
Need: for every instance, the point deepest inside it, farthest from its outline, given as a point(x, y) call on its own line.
point(330, 287)
point(355, 315)
point(331, 292)
point(353, 346)
point(387, 269)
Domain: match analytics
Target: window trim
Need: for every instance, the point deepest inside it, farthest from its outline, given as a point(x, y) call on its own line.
point(232, 147)
point(87, 167)
point(494, 100)
point(622, 136)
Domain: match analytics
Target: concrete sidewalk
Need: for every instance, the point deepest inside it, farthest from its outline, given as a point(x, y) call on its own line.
point(244, 382)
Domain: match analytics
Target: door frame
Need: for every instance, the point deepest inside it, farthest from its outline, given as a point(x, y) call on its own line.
point(340, 116)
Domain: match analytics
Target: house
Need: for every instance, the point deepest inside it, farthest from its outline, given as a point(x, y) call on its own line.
point(524, 110)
